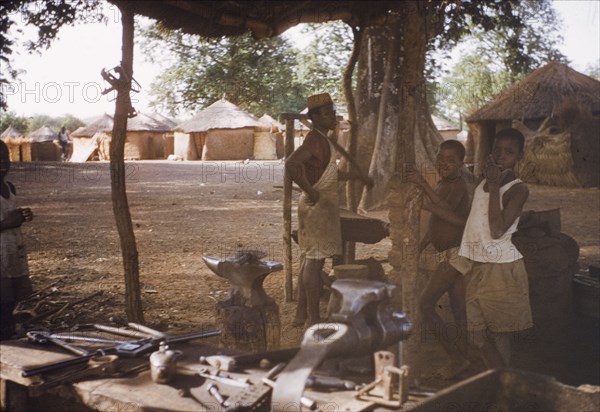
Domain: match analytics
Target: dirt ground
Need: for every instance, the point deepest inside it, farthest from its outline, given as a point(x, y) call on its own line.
point(184, 210)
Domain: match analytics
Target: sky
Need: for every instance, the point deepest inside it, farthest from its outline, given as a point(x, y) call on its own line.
point(65, 79)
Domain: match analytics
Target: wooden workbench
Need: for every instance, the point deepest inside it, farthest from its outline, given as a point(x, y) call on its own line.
point(135, 392)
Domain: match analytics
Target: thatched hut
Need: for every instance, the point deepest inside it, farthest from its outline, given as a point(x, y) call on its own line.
point(19, 147)
point(222, 131)
point(169, 136)
point(558, 109)
point(145, 139)
point(445, 129)
point(268, 145)
point(44, 145)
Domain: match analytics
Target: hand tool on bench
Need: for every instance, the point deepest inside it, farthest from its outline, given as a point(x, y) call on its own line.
point(236, 362)
point(97, 366)
point(204, 373)
point(130, 349)
point(40, 337)
point(255, 397)
point(136, 334)
point(69, 337)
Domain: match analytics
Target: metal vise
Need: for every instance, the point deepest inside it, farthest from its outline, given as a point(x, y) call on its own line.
point(246, 272)
point(362, 322)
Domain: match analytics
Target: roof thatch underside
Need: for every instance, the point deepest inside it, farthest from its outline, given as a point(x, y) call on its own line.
point(540, 94)
point(262, 18)
point(43, 134)
point(222, 114)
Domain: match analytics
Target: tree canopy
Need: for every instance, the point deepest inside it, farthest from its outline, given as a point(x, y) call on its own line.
point(259, 76)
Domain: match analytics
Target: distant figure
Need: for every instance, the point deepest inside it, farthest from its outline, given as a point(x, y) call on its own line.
point(497, 285)
point(14, 275)
point(449, 207)
point(313, 168)
point(63, 140)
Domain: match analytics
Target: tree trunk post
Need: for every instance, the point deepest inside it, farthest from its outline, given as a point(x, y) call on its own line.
point(117, 174)
point(405, 199)
point(351, 195)
point(287, 210)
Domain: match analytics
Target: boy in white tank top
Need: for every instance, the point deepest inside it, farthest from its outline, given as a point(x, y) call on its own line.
point(497, 286)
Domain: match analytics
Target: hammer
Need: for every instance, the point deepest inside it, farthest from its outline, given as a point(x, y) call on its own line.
point(45, 337)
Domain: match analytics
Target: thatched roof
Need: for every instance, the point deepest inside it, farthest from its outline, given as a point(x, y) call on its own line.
point(540, 94)
point(269, 121)
point(263, 18)
point(43, 134)
point(11, 133)
point(145, 123)
point(220, 115)
point(139, 123)
point(103, 124)
point(164, 119)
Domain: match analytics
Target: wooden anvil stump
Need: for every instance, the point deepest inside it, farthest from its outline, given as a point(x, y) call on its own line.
point(249, 319)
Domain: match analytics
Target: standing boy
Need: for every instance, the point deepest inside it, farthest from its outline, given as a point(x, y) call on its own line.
point(14, 271)
point(497, 286)
point(449, 207)
point(313, 168)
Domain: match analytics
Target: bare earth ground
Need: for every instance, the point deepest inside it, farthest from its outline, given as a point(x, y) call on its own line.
point(182, 211)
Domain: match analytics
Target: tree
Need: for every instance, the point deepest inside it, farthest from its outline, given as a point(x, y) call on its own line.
point(11, 119)
point(395, 123)
point(49, 17)
point(259, 76)
point(70, 122)
point(322, 62)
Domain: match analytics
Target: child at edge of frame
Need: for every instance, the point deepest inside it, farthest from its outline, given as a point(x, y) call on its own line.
point(14, 271)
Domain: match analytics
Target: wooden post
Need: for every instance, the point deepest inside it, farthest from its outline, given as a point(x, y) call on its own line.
point(287, 208)
point(133, 301)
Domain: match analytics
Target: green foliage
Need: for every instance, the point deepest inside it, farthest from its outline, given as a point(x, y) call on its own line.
point(495, 55)
point(472, 82)
point(323, 61)
point(258, 76)
point(30, 124)
point(11, 119)
point(593, 70)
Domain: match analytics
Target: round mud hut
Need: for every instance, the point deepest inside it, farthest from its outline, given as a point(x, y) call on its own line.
point(145, 139)
point(44, 145)
point(222, 131)
point(268, 145)
point(19, 147)
point(558, 111)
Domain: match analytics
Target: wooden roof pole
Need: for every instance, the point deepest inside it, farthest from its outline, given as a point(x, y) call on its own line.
point(129, 252)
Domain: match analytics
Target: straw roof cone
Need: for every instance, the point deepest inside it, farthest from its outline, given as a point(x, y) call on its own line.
point(144, 123)
point(43, 134)
point(269, 121)
point(540, 94)
point(103, 124)
point(10, 133)
point(220, 115)
point(164, 119)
